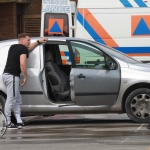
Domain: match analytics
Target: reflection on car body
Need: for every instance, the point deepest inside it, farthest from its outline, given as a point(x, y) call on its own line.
point(59, 82)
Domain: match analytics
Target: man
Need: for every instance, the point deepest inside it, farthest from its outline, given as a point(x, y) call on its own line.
point(16, 63)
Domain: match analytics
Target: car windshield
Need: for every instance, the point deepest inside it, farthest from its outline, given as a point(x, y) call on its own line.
point(118, 54)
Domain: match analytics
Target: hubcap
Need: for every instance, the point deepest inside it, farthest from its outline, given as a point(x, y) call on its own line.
point(2, 124)
point(140, 106)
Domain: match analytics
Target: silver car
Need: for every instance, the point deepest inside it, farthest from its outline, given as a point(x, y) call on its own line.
point(70, 75)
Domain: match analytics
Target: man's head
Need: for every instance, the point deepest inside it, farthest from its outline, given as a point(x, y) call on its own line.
point(24, 39)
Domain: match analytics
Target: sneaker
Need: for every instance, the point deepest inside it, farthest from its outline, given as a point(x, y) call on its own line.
point(148, 127)
point(20, 125)
point(11, 126)
point(23, 124)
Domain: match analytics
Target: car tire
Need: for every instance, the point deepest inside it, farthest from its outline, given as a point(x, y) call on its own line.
point(2, 104)
point(137, 105)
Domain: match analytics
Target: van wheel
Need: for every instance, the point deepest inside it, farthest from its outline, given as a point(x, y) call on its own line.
point(2, 104)
point(138, 105)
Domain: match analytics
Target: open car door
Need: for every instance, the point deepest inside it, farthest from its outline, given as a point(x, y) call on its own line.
point(90, 80)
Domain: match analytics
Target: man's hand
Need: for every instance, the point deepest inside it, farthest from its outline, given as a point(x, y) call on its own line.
point(23, 82)
point(43, 40)
point(33, 45)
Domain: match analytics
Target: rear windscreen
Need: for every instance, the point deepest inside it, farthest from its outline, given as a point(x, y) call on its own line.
point(56, 24)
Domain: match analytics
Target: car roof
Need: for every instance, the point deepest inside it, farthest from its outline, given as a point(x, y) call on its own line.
point(108, 50)
point(50, 38)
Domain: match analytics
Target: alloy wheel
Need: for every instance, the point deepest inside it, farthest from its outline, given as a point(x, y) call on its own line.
point(140, 106)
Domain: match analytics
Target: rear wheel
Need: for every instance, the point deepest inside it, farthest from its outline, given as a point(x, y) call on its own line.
point(2, 117)
point(138, 105)
point(2, 104)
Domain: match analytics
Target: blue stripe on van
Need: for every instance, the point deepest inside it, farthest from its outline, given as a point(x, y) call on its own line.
point(140, 3)
point(126, 3)
point(68, 54)
point(89, 29)
point(97, 38)
point(133, 50)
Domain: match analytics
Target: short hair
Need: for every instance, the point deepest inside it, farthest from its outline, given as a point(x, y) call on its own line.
point(23, 35)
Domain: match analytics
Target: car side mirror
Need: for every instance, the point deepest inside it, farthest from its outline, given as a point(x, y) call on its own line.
point(77, 59)
point(111, 66)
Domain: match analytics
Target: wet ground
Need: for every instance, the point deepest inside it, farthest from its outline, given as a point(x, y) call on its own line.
point(78, 132)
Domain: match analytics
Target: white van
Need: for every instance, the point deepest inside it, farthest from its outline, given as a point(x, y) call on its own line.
point(120, 24)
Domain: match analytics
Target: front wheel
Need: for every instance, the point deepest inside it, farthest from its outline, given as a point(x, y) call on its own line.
point(138, 105)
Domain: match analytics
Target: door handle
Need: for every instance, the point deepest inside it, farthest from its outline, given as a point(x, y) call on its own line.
point(81, 76)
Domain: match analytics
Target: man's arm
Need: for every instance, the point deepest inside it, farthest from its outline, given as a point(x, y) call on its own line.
point(33, 45)
point(23, 59)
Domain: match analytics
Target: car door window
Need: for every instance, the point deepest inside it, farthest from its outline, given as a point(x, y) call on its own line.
point(65, 54)
point(87, 56)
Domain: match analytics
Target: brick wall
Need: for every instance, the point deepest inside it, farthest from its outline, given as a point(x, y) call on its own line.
point(8, 20)
point(8, 17)
point(34, 8)
point(32, 18)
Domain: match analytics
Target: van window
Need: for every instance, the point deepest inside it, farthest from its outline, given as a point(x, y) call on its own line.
point(56, 24)
point(87, 56)
point(65, 55)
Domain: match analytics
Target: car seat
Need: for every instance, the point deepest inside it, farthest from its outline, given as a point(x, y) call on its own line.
point(57, 79)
